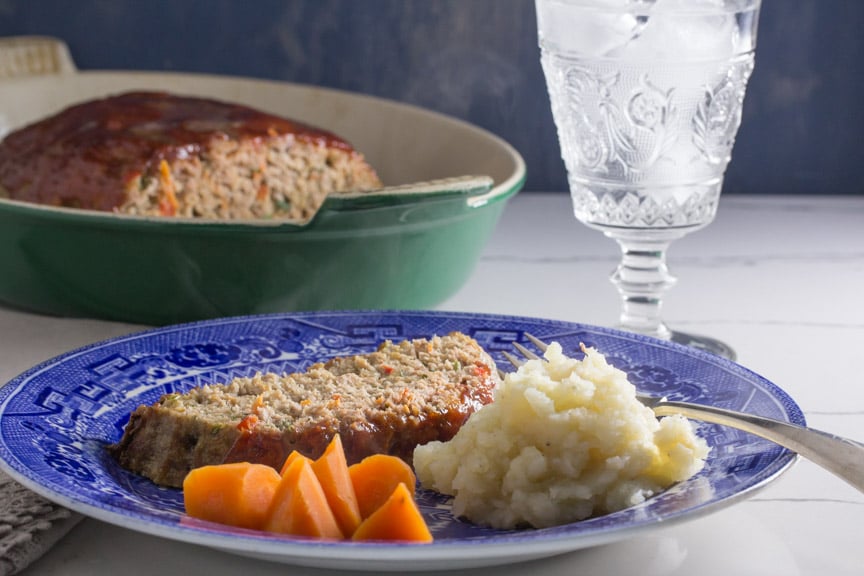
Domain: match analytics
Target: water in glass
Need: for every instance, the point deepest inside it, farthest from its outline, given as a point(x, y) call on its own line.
point(647, 98)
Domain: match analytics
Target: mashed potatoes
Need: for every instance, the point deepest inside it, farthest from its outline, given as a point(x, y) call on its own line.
point(565, 439)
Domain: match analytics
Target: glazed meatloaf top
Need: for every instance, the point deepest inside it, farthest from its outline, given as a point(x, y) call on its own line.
point(160, 154)
point(402, 395)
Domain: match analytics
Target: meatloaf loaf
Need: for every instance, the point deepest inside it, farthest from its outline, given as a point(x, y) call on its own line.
point(159, 154)
point(402, 395)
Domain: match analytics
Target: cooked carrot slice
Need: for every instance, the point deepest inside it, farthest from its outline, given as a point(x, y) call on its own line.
point(290, 460)
point(331, 468)
point(375, 477)
point(300, 507)
point(238, 494)
point(397, 519)
point(168, 198)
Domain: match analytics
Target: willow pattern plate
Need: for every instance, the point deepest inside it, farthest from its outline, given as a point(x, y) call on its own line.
point(58, 418)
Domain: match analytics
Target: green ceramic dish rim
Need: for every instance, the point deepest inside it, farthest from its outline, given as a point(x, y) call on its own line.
point(477, 190)
point(476, 197)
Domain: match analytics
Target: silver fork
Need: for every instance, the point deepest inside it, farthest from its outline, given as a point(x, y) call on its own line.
point(840, 456)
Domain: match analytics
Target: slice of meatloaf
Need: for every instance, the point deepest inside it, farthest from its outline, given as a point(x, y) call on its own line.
point(402, 395)
point(159, 154)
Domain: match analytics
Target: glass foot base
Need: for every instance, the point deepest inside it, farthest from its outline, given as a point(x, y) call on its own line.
point(704, 343)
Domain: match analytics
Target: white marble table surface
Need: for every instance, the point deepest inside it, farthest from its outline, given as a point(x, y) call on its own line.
point(781, 279)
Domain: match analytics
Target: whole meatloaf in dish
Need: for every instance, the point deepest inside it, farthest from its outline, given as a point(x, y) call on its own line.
point(159, 154)
point(390, 401)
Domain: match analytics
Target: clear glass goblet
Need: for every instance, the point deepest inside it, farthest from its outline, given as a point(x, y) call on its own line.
point(646, 96)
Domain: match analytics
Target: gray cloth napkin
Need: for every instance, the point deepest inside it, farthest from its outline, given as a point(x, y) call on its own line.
point(29, 525)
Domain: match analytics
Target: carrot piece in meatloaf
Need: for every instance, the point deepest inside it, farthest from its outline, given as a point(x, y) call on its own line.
point(389, 401)
point(159, 154)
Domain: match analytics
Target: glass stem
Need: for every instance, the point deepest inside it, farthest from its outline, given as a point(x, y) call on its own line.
point(642, 278)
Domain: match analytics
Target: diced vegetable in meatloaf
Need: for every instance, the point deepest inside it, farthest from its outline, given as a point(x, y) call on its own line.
point(404, 394)
point(159, 154)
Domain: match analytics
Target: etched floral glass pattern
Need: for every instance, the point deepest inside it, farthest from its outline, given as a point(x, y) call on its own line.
point(646, 147)
point(647, 98)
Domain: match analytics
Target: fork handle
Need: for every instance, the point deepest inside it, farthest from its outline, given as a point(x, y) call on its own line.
point(841, 456)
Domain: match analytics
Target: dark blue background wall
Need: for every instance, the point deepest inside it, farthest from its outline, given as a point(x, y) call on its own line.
point(478, 60)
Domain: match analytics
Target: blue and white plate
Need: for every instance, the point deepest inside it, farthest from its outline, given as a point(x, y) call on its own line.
point(58, 418)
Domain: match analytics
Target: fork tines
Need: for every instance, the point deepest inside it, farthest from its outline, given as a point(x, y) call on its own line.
point(528, 354)
point(515, 362)
point(536, 341)
point(525, 352)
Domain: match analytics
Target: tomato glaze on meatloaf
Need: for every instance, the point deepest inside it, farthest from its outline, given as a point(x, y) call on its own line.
point(160, 154)
point(390, 401)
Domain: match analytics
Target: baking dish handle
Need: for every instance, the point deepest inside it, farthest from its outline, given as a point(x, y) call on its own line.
point(464, 187)
point(22, 56)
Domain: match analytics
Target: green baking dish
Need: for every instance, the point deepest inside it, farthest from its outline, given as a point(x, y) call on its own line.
point(410, 245)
